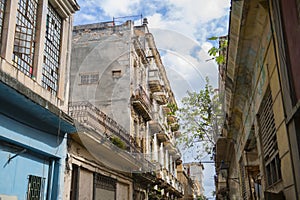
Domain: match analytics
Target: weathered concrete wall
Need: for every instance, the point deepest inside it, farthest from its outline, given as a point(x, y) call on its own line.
point(85, 184)
point(107, 56)
point(122, 191)
point(89, 164)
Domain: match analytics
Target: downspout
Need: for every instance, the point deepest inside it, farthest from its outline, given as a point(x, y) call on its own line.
point(50, 179)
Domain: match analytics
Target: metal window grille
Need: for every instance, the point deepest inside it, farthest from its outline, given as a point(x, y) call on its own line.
point(50, 73)
point(24, 36)
point(35, 187)
point(94, 78)
point(2, 8)
point(86, 79)
point(105, 182)
point(269, 140)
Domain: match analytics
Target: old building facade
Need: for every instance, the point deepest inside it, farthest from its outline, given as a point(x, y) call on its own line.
point(187, 183)
point(35, 38)
point(117, 74)
point(257, 153)
point(194, 171)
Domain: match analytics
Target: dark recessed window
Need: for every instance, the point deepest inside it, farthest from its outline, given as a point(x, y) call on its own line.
point(75, 182)
point(116, 73)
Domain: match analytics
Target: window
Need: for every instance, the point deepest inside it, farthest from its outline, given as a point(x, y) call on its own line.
point(86, 79)
point(24, 36)
point(35, 187)
point(50, 73)
point(269, 140)
point(74, 182)
point(104, 187)
point(94, 78)
point(116, 73)
point(273, 170)
point(2, 8)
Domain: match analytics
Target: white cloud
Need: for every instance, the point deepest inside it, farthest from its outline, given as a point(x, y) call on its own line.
point(199, 11)
point(87, 17)
point(118, 8)
point(186, 16)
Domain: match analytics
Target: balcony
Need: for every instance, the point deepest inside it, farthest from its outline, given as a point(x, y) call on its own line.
point(163, 136)
point(141, 103)
point(90, 116)
point(177, 134)
point(174, 127)
point(140, 50)
point(160, 174)
point(172, 149)
point(154, 81)
point(161, 98)
point(166, 109)
point(156, 124)
point(171, 119)
point(170, 183)
point(155, 127)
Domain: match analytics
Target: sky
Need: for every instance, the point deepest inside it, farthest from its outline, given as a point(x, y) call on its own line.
point(181, 29)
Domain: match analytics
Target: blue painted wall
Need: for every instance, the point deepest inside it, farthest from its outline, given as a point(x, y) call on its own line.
point(42, 149)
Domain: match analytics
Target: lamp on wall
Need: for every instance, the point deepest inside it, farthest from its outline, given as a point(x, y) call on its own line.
point(224, 172)
point(224, 169)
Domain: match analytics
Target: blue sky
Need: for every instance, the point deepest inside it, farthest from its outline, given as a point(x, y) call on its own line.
point(180, 29)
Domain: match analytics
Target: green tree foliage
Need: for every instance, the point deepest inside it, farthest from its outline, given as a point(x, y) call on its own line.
point(218, 53)
point(201, 197)
point(118, 142)
point(199, 119)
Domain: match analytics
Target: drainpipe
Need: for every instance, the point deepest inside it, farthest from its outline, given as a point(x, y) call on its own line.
point(50, 179)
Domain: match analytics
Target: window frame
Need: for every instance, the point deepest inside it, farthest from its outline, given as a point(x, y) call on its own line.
point(91, 78)
point(41, 189)
point(267, 132)
point(52, 50)
point(24, 44)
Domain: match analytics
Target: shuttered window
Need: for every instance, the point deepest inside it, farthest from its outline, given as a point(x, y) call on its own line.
point(269, 140)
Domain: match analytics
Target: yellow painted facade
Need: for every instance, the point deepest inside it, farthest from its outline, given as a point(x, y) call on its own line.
point(262, 164)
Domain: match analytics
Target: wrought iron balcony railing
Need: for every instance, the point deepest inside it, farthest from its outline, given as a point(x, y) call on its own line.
point(142, 103)
point(89, 115)
point(154, 81)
